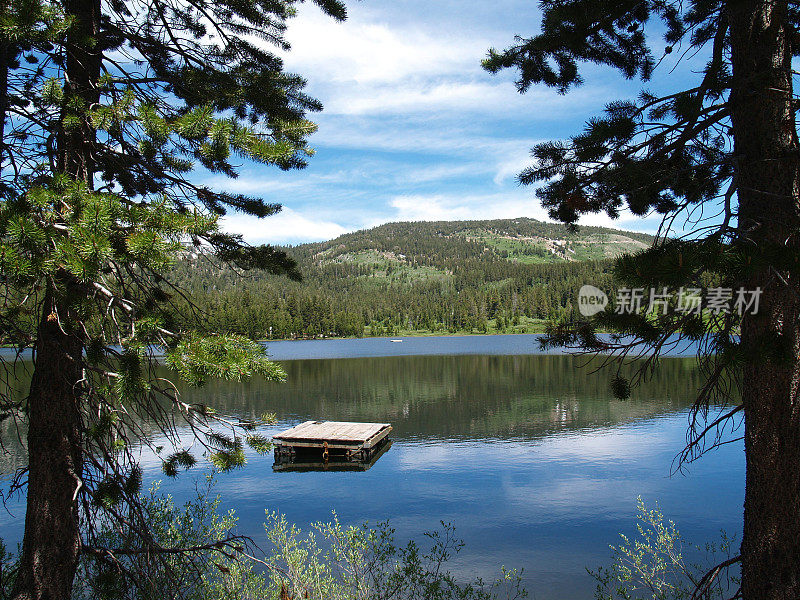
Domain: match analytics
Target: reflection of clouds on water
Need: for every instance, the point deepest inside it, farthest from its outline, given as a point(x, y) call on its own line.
point(553, 479)
point(431, 456)
point(529, 456)
point(625, 443)
point(622, 444)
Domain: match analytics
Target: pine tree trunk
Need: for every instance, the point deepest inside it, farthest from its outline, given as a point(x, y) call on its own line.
point(766, 154)
point(83, 61)
point(52, 543)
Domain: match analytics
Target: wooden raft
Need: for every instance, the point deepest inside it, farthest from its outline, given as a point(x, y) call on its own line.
point(352, 440)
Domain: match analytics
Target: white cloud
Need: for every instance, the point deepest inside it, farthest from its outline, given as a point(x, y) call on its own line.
point(260, 186)
point(292, 227)
point(373, 65)
point(416, 95)
point(286, 227)
point(441, 207)
point(410, 120)
point(508, 205)
point(419, 136)
point(627, 221)
point(365, 50)
point(511, 167)
point(436, 173)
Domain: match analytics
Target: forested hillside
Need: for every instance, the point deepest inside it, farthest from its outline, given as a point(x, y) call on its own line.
point(462, 276)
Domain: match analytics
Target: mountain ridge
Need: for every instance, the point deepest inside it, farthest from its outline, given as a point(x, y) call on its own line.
point(413, 278)
point(521, 239)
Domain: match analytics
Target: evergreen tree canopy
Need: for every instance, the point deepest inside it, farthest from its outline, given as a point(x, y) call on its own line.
point(656, 153)
point(718, 156)
point(108, 112)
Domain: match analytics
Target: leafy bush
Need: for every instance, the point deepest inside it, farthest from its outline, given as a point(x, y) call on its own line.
point(337, 562)
point(334, 562)
point(138, 569)
point(654, 565)
point(330, 562)
point(8, 571)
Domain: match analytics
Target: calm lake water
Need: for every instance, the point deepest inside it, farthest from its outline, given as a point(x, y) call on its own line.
point(528, 455)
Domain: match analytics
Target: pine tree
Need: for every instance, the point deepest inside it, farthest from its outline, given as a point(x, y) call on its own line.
point(725, 145)
point(107, 110)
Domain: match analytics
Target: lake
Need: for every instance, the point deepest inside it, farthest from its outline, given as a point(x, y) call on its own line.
point(527, 454)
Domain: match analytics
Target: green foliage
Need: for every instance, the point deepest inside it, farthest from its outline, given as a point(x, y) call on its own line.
point(229, 459)
point(230, 357)
point(9, 564)
point(182, 458)
point(107, 113)
point(213, 573)
point(621, 387)
point(259, 443)
point(672, 155)
point(331, 562)
point(335, 562)
point(421, 277)
point(654, 565)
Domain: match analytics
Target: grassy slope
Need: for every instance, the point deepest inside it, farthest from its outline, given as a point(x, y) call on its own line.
point(395, 251)
point(388, 256)
point(423, 264)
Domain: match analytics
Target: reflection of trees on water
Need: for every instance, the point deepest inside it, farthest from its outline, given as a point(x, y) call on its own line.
point(442, 396)
point(460, 396)
point(15, 377)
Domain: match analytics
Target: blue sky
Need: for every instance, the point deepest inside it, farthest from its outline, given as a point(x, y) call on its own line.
point(413, 128)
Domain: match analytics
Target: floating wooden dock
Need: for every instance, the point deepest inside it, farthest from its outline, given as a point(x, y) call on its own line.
point(353, 441)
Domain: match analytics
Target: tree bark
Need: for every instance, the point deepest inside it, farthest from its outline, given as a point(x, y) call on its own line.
point(83, 62)
point(766, 155)
point(51, 545)
point(52, 541)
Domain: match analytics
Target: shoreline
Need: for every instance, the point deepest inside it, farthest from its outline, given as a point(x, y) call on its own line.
point(490, 344)
point(403, 334)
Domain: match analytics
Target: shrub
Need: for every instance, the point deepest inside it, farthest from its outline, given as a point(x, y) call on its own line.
point(330, 562)
point(654, 566)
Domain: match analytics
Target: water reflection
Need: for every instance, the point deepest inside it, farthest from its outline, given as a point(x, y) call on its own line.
point(313, 462)
point(458, 397)
point(529, 456)
point(447, 397)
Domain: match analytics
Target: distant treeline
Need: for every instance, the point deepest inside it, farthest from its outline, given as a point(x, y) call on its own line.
point(386, 281)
